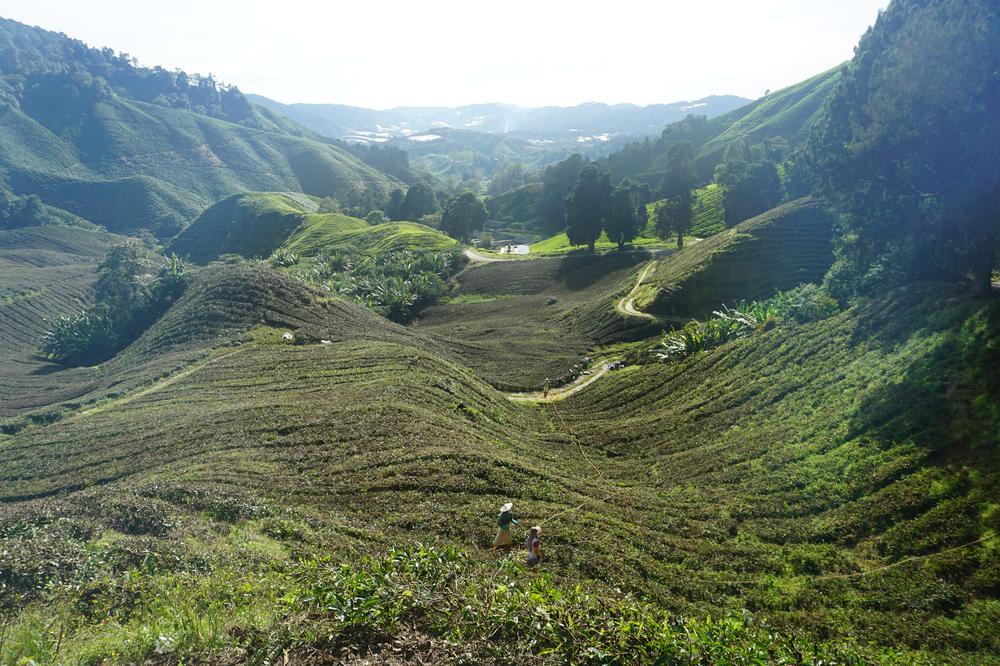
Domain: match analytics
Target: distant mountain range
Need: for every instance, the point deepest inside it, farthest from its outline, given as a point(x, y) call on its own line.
point(590, 122)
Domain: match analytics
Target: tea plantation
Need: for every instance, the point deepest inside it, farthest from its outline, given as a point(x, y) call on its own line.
point(782, 248)
point(219, 492)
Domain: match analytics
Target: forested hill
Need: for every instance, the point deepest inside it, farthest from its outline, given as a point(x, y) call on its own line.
point(785, 115)
point(135, 148)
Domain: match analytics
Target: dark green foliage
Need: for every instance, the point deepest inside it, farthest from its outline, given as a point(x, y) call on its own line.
point(464, 215)
point(419, 201)
point(558, 181)
point(675, 215)
point(749, 180)
point(376, 217)
point(128, 301)
point(394, 207)
point(909, 147)
point(626, 213)
point(587, 206)
point(18, 211)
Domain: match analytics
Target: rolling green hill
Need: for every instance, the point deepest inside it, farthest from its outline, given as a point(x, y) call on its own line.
point(271, 474)
point(207, 490)
point(256, 224)
point(108, 154)
point(780, 249)
point(787, 113)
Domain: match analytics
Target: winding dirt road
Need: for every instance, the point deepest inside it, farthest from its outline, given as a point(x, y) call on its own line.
point(626, 305)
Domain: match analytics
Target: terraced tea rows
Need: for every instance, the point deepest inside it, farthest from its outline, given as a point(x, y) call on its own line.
point(777, 250)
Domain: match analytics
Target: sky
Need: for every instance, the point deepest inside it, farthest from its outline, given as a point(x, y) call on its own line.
point(385, 53)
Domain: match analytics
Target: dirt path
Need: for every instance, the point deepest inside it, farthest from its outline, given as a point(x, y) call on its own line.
point(626, 306)
point(597, 371)
point(162, 384)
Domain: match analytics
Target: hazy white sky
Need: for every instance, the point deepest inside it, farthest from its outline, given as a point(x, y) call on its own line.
point(384, 53)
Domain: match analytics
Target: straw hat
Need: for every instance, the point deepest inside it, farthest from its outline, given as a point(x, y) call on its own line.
point(506, 507)
point(537, 529)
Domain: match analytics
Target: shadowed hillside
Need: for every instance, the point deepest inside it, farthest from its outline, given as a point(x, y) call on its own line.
point(780, 249)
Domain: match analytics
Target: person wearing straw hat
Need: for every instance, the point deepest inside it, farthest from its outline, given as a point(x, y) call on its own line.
point(534, 545)
point(504, 521)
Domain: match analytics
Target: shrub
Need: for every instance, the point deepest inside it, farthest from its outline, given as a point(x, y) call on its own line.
point(129, 299)
point(376, 217)
point(807, 302)
point(283, 257)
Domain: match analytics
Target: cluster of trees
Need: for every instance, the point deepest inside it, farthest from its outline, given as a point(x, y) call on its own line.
point(908, 149)
point(675, 212)
point(461, 216)
point(418, 200)
point(464, 215)
point(131, 294)
point(749, 179)
point(17, 211)
point(558, 181)
point(594, 205)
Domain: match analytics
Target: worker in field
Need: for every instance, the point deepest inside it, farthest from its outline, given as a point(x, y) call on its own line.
point(534, 545)
point(504, 521)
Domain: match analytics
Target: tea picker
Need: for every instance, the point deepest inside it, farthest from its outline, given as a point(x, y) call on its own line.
point(534, 545)
point(504, 521)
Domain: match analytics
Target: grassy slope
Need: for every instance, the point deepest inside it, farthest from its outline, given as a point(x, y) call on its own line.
point(129, 165)
point(779, 249)
point(256, 224)
point(823, 448)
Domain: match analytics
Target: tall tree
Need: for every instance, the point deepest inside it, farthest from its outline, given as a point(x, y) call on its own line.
point(749, 180)
point(588, 206)
point(558, 181)
point(419, 201)
point(394, 209)
point(676, 214)
point(463, 215)
point(908, 149)
point(626, 216)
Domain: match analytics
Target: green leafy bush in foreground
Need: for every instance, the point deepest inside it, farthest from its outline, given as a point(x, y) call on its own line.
point(807, 302)
point(466, 612)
